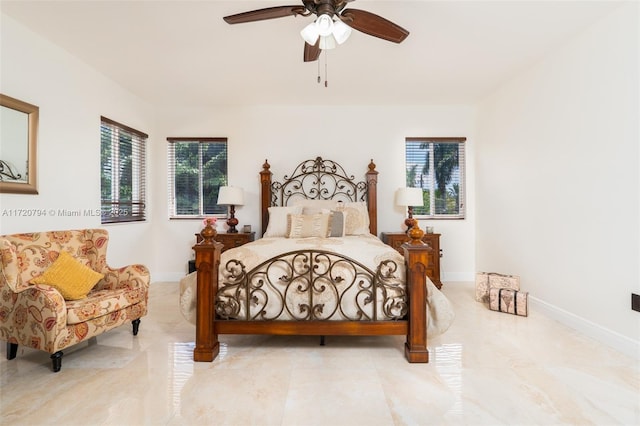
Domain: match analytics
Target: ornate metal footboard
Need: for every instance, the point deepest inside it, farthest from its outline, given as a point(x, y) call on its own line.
point(310, 285)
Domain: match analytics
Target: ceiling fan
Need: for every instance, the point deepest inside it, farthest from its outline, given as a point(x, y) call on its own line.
point(332, 25)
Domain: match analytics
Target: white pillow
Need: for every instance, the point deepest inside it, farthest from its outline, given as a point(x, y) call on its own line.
point(277, 226)
point(356, 217)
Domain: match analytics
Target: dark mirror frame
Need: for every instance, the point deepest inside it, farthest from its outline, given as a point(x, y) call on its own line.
point(30, 185)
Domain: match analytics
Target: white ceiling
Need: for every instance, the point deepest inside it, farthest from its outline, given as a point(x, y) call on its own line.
point(182, 52)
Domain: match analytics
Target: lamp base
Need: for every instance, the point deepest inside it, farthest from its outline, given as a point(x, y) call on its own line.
point(232, 222)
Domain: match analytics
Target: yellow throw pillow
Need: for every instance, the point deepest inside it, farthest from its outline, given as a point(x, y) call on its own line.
point(71, 278)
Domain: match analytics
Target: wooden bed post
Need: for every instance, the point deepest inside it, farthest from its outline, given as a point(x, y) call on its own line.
point(416, 255)
point(265, 194)
point(207, 262)
point(372, 198)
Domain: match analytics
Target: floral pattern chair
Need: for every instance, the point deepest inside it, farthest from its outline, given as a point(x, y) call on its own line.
point(37, 316)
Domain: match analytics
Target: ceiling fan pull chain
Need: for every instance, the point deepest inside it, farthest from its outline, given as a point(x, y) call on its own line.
point(325, 70)
point(319, 79)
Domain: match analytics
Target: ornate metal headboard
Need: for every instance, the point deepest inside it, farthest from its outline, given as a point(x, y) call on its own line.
point(319, 179)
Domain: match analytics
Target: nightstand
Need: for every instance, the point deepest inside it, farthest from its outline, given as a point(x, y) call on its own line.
point(396, 239)
point(228, 241)
point(231, 240)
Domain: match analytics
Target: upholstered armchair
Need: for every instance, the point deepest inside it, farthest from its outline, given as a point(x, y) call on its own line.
point(34, 312)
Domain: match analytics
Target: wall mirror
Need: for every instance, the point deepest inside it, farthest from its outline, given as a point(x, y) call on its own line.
point(18, 145)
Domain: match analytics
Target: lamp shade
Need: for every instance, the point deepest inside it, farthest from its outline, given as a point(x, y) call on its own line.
point(341, 31)
point(409, 197)
point(324, 23)
point(327, 42)
point(310, 34)
point(231, 195)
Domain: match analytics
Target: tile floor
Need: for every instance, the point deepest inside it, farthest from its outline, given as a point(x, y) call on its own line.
point(487, 369)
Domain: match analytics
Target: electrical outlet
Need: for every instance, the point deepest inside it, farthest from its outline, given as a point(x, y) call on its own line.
point(635, 302)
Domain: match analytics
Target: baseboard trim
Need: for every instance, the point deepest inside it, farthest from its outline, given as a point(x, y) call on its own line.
point(611, 338)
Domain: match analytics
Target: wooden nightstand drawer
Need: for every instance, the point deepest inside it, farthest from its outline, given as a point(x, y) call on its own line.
point(231, 240)
point(235, 240)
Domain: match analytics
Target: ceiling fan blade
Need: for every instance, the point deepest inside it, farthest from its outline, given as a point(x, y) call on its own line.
point(262, 14)
point(312, 53)
point(374, 25)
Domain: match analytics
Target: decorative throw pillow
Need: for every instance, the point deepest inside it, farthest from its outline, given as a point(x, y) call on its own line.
point(277, 226)
point(356, 217)
point(304, 225)
point(71, 278)
point(336, 224)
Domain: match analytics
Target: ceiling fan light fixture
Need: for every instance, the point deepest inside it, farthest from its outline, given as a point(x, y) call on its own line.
point(324, 23)
point(328, 42)
point(341, 31)
point(310, 34)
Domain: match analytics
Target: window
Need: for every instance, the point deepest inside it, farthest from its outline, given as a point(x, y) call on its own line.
point(197, 169)
point(437, 166)
point(122, 172)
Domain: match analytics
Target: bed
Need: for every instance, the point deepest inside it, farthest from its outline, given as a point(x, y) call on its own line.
point(318, 270)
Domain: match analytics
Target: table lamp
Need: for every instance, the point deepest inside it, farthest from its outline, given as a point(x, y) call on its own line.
point(231, 196)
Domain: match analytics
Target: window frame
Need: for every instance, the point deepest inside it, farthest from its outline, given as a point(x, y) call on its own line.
point(433, 215)
point(171, 175)
point(114, 210)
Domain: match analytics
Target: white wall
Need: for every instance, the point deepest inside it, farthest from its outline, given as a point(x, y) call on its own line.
point(557, 180)
point(351, 135)
point(71, 97)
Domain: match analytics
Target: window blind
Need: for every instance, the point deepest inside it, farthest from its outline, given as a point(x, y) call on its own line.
point(437, 166)
point(197, 168)
point(123, 172)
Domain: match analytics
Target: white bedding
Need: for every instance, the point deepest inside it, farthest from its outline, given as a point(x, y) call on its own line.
point(366, 249)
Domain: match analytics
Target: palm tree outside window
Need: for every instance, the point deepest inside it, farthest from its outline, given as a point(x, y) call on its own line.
point(437, 166)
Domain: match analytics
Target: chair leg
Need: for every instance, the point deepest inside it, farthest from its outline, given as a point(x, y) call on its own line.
point(136, 324)
point(321, 340)
point(12, 350)
point(56, 361)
